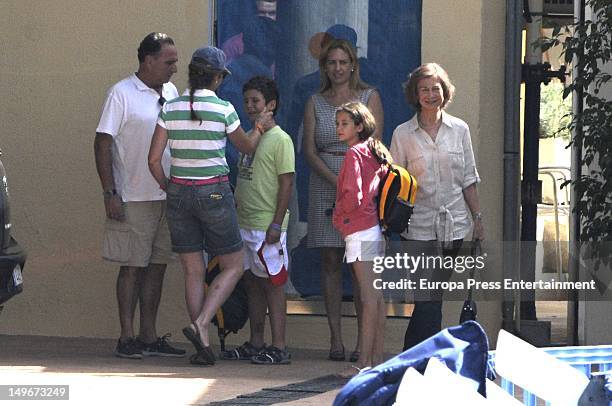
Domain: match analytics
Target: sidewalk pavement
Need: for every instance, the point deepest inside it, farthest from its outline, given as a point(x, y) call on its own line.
point(95, 375)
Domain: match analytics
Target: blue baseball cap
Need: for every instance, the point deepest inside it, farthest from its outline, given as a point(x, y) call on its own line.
point(341, 31)
point(211, 58)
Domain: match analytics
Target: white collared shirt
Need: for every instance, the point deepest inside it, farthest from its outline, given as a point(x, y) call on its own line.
point(129, 115)
point(442, 168)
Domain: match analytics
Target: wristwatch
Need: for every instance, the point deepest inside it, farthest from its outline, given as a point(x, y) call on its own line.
point(477, 216)
point(109, 193)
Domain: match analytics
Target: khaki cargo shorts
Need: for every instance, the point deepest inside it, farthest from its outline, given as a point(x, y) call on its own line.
point(142, 239)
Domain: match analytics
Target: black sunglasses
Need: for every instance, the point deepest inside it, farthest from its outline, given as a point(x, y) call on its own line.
point(161, 101)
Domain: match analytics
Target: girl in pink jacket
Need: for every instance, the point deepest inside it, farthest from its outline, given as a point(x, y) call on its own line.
point(355, 217)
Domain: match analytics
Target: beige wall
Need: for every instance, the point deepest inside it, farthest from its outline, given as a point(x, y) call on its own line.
point(59, 58)
point(467, 39)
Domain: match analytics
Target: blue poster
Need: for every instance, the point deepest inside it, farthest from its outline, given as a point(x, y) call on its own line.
point(283, 40)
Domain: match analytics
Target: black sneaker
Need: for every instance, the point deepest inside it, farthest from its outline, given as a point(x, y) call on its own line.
point(245, 352)
point(129, 348)
point(162, 348)
point(272, 356)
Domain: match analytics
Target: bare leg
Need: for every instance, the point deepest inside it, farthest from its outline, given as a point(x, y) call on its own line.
point(257, 308)
point(151, 282)
point(193, 268)
point(219, 291)
point(331, 281)
point(277, 303)
point(379, 338)
point(371, 300)
point(127, 297)
point(357, 303)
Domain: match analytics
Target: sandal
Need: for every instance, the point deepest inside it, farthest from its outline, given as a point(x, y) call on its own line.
point(245, 352)
point(205, 357)
point(337, 355)
point(355, 356)
point(272, 355)
point(192, 333)
point(351, 371)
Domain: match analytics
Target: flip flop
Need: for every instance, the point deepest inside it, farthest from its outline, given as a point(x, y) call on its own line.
point(352, 371)
point(205, 357)
point(355, 356)
point(192, 333)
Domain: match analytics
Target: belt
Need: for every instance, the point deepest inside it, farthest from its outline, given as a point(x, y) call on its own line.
point(334, 153)
point(199, 182)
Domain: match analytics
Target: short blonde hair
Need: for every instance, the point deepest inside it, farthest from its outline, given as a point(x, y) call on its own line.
point(428, 70)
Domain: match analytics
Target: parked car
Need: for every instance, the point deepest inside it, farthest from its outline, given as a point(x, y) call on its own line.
point(12, 256)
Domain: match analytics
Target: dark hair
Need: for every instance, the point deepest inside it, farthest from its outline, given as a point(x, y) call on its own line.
point(199, 78)
point(152, 44)
point(355, 82)
point(266, 86)
point(361, 115)
point(425, 71)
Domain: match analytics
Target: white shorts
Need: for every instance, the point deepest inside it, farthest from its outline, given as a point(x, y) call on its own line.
point(364, 245)
point(253, 239)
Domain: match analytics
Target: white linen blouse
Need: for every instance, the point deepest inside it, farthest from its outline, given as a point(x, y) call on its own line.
point(442, 169)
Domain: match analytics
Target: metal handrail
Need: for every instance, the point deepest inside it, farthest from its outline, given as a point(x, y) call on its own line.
point(550, 171)
point(565, 173)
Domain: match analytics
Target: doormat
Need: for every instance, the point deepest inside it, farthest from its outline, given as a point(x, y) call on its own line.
point(287, 393)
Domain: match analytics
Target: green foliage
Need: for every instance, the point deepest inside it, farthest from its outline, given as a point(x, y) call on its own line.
point(555, 112)
point(590, 42)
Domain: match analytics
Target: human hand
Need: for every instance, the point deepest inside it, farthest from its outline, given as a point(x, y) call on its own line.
point(114, 208)
point(265, 120)
point(273, 234)
point(478, 232)
point(164, 185)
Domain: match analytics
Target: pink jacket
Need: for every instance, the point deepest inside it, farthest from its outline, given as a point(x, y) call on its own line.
point(357, 190)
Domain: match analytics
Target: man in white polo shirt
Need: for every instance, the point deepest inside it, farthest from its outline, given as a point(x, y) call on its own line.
point(136, 235)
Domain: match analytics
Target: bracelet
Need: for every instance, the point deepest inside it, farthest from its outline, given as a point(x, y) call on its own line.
point(109, 193)
point(275, 226)
point(477, 216)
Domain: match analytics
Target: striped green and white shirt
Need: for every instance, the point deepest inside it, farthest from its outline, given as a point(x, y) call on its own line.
point(198, 148)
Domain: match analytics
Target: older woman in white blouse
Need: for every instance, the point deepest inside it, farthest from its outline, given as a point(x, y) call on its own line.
point(436, 148)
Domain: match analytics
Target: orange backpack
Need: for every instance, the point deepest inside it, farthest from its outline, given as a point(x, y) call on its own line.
point(396, 199)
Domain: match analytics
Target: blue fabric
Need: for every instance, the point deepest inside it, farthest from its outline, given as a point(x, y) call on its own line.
point(243, 68)
point(464, 350)
point(388, 39)
point(308, 283)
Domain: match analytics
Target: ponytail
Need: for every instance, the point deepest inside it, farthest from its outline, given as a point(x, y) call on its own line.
point(199, 78)
point(193, 115)
point(380, 152)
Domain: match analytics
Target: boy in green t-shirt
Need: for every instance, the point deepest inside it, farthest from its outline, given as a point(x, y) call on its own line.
point(262, 194)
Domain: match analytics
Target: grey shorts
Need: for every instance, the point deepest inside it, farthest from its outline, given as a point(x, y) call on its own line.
point(203, 218)
point(141, 239)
